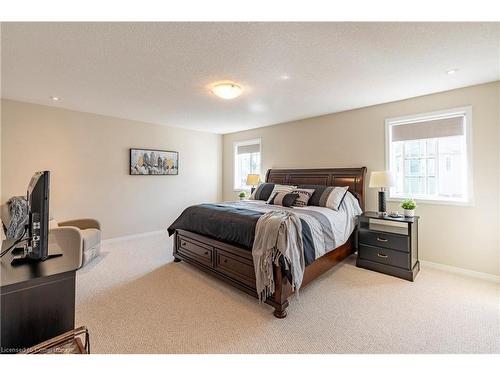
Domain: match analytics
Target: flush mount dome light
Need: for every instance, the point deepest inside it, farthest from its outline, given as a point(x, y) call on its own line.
point(227, 90)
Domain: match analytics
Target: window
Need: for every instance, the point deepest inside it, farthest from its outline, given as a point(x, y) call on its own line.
point(429, 156)
point(246, 161)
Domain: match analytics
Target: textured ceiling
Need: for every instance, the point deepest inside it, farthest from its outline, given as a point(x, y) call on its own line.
point(159, 72)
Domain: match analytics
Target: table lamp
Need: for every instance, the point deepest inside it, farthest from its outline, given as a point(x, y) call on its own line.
point(253, 180)
point(381, 180)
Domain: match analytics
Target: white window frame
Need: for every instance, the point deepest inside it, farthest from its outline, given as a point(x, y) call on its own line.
point(236, 144)
point(467, 112)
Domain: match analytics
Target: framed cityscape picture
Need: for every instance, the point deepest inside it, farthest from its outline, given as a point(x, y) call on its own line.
point(153, 162)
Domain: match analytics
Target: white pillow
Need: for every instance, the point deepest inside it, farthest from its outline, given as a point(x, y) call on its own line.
point(281, 189)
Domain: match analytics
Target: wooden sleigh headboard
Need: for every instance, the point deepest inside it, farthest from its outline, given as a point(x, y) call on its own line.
point(352, 177)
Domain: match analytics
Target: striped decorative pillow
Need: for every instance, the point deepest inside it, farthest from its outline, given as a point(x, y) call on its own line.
point(281, 189)
point(304, 196)
point(283, 199)
point(333, 196)
point(262, 192)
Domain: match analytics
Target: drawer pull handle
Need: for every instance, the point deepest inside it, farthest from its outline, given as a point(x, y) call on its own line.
point(225, 260)
point(381, 255)
point(206, 252)
point(380, 239)
point(183, 244)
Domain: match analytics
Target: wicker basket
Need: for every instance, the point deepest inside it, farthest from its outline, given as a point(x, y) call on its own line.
point(67, 343)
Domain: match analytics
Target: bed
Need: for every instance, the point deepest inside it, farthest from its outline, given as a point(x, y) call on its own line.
point(221, 243)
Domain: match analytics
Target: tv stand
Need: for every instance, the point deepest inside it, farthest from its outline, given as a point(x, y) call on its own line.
point(37, 299)
point(24, 259)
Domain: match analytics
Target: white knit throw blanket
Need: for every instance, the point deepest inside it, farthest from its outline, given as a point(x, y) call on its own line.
point(278, 233)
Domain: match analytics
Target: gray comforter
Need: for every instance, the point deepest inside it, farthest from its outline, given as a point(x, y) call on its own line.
point(232, 222)
point(321, 229)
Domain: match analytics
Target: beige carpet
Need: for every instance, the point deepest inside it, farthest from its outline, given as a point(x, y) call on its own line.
point(134, 299)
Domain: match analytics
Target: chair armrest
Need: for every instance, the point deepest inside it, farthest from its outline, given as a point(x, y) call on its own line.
point(81, 223)
point(5, 214)
point(69, 239)
point(2, 233)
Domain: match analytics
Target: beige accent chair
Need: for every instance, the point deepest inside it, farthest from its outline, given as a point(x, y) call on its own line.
point(81, 234)
point(2, 232)
point(4, 217)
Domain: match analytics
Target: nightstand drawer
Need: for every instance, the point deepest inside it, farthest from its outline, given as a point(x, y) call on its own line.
point(383, 239)
point(385, 256)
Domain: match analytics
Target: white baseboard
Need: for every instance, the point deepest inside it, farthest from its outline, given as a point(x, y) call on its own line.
point(133, 236)
point(439, 266)
point(461, 271)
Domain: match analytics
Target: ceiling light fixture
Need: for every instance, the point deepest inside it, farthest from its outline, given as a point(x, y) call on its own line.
point(451, 72)
point(227, 90)
point(55, 98)
point(284, 77)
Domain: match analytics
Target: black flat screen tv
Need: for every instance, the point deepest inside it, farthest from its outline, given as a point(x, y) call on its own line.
point(36, 239)
point(38, 210)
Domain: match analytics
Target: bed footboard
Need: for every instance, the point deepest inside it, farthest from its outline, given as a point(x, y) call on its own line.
point(234, 265)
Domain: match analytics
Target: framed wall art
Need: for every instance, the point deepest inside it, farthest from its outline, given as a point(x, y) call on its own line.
point(153, 162)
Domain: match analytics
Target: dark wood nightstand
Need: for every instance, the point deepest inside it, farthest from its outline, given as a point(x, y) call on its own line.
point(388, 245)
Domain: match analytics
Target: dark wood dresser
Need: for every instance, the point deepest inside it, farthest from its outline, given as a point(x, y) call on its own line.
point(388, 245)
point(37, 300)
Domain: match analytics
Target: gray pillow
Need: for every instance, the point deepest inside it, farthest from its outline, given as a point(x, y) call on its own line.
point(283, 199)
point(318, 191)
point(327, 196)
point(262, 192)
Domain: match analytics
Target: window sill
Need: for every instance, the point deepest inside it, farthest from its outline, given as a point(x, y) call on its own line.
point(436, 202)
point(237, 190)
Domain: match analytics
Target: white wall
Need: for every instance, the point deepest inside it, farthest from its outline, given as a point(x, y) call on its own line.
point(465, 237)
point(2, 235)
point(498, 126)
point(1, 228)
point(88, 156)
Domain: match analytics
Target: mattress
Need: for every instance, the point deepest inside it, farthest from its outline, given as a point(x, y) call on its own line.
point(323, 229)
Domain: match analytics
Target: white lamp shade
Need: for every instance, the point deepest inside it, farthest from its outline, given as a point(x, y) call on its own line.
point(253, 179)
point(381, 179)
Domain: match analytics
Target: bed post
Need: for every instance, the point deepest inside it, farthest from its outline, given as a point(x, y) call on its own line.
point(279, 300)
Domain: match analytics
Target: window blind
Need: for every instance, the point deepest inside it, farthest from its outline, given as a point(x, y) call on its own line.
point(248, 149)
point(437, 128)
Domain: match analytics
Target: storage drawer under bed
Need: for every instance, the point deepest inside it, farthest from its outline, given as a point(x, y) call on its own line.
point(234, 264)
point(195, 250)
